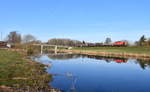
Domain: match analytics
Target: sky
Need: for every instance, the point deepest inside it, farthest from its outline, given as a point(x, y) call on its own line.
point(89, 20)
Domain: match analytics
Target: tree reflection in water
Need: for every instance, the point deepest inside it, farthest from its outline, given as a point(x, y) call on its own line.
point(109, 59)
point(64, 56)
point(144, 63)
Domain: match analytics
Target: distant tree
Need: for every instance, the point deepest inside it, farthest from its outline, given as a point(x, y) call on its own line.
point(64, 42)
point(142, 40)
point(108, 41)
point(83, 42)
point(37, 42)
point(14, 38)
point(29, 39)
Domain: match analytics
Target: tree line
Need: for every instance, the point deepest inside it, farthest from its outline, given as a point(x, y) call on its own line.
point(64, 42)
point(16, 38)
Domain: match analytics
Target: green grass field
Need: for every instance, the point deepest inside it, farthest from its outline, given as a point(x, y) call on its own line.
point(133, 50)
point(18, 72)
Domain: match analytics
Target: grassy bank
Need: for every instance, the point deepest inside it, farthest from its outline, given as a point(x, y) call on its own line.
point(18, 74)
point(130, 50)
point(124, 52)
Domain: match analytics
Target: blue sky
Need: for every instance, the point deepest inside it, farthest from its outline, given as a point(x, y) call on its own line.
point(89, 20)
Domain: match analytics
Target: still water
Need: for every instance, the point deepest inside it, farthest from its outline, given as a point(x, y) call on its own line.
point(82, 73)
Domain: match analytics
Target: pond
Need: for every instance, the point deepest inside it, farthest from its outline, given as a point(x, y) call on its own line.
point(85, 73)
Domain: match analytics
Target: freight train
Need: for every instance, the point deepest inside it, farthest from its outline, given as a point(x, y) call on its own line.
point(115, 44)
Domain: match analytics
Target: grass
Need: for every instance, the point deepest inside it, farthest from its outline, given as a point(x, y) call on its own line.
point(133, 50)
point(20, 73)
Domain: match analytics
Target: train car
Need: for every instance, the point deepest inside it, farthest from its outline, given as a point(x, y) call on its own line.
point(119, 43)
point(99, 44)
point(115, 44)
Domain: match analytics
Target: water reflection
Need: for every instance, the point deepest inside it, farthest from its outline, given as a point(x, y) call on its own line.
point(144, 63)
point(63, 56)
point(109, 59)
point(88, 73)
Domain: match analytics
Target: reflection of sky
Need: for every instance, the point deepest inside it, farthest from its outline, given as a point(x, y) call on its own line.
point(99, 76)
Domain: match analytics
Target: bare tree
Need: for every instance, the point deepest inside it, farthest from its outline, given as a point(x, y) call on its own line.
point(142, 40)
point(108, 41)
point(14, 37)
point(29, 38)
point(64, 42)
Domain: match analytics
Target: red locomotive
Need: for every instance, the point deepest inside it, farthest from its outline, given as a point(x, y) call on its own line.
point(120, 43)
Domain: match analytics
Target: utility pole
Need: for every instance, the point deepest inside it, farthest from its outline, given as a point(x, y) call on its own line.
point(1, 36)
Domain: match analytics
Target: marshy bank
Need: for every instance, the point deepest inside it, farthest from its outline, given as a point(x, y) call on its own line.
point(19, 74)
